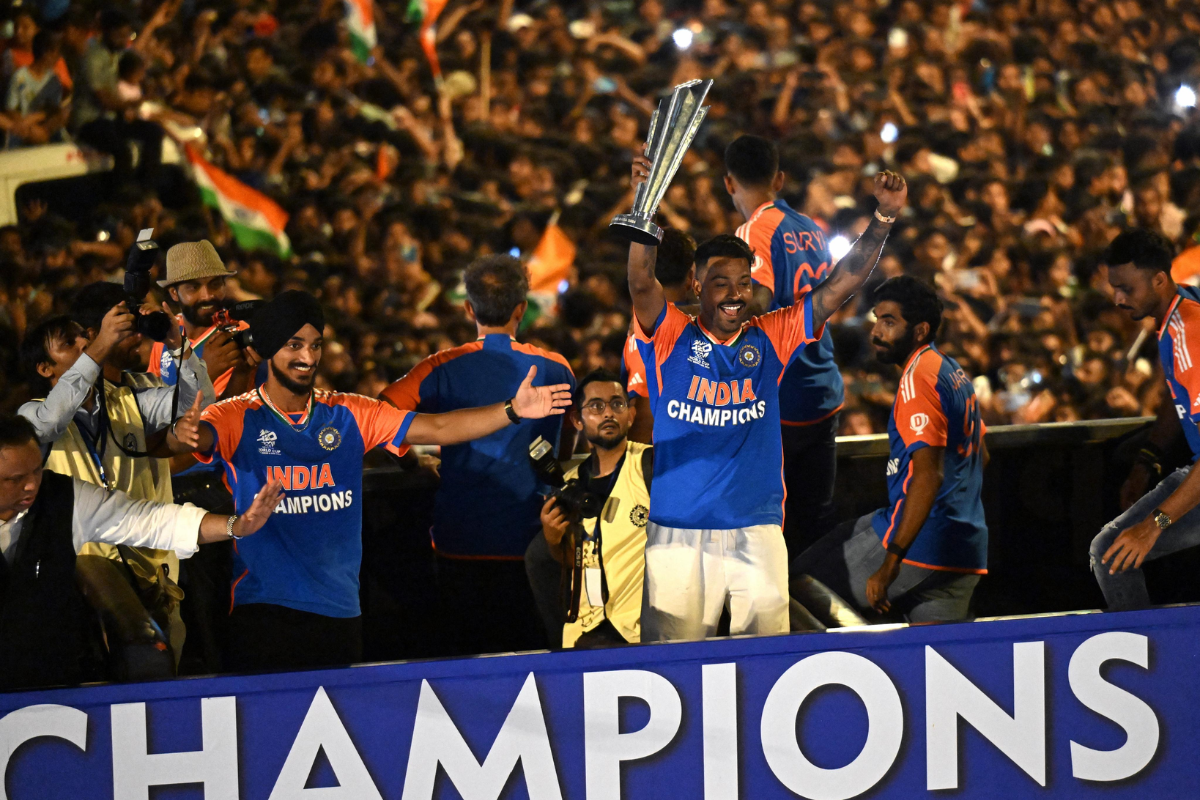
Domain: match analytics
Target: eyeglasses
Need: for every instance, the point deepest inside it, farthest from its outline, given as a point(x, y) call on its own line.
point(597, 406)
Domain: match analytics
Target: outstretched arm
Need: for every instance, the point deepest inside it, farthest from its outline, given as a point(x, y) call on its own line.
point(464, 425)
point(852, 271)
point(647, 293)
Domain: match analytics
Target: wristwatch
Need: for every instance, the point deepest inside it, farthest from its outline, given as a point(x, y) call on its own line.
point(1161, 519)
point(229, 523)
point(513, 416)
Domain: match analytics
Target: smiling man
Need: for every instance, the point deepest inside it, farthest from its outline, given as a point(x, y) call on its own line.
point(1165, 519)
point(295, 594)
point(923, 553)
point(715, 533)
point(196, 283)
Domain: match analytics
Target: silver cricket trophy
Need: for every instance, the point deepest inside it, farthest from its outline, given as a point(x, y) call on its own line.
point(672, 129)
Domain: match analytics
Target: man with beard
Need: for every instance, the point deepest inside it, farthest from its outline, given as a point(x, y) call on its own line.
point(196, 283)
point(715, 533)
point(606, 567)
point(923, 554)
point(295, 598)
point(1139, 270)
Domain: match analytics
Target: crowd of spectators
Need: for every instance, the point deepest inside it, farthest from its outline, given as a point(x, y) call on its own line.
point(1030, 131)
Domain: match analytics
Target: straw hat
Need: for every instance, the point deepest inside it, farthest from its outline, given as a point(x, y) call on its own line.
point(193, 261)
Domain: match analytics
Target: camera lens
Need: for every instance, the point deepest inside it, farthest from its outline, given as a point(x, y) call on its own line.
point(156, 325)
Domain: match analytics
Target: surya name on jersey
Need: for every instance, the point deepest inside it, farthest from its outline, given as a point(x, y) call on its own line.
point(713, 395)
point(298, 478)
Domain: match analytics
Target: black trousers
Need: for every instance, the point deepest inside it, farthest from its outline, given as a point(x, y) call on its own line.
point(809, 472)
point(113, 136)
point(263, 636)
point(545, 579)
point(487, 606)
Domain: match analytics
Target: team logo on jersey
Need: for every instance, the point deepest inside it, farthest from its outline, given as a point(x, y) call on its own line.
point(639, 516)
point(893, 466)
point(130, 442)
point(267, 441)
point(329, 438)
point(700, 352)
point(749, 356)
point(918, 422)
point(166, 361)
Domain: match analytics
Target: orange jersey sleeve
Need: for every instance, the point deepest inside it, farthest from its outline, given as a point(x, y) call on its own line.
point(671, 324)
point(635, 369)
point(405, 393)
point(226, 419)
point(378, 422)
point(790, 328)
point(920, 418)
point(758, 232)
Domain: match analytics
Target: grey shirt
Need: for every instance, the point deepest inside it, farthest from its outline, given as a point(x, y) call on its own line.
point(51, 417)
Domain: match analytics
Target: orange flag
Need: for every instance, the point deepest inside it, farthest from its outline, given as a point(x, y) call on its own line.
point(552, 259)
point(428, 35)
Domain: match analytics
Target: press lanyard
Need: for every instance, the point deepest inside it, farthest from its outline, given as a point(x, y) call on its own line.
point(97, 454)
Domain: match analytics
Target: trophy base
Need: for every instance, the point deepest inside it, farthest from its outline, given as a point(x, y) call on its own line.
point(636, 228)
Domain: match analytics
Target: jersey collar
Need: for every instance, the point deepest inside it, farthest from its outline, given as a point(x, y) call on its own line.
point(712, 337)
point(912, 360)
point(298, 426)
point(1170, 313)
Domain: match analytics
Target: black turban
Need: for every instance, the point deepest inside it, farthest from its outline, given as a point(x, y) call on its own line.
point(279, 320)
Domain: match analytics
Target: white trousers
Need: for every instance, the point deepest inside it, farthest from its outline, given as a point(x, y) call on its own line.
point(691, 574)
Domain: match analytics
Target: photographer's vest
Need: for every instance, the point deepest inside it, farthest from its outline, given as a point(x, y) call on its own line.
point(622, 553)
point(142, 478)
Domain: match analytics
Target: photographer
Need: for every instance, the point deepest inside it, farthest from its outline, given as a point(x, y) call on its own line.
point(603, 554)
point(99, 421)
point(196, 283)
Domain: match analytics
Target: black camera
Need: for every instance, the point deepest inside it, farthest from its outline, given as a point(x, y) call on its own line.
point(574, 499)
point(142, 256)
point(239, 312)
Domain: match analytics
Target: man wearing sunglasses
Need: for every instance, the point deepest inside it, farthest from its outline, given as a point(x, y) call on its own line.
point(606, 564)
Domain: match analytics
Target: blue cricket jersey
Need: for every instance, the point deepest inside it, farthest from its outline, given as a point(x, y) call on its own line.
point(1175, 341)
point(490, 500)
point(936, 406)
point(791, 258)
point(307, 555)
point(718, 457)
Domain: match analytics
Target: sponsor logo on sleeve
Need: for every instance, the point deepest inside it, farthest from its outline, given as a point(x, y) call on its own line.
point(918, 422)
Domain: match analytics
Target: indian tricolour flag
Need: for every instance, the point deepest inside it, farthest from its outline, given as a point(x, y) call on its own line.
point(256, 220)
point(360, 20)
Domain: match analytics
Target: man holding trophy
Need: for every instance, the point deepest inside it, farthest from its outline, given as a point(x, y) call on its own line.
point(716, 511)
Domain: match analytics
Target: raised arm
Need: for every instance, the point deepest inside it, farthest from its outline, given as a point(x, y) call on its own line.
point(647, 293)
point(853, 270)
point(467, 424)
